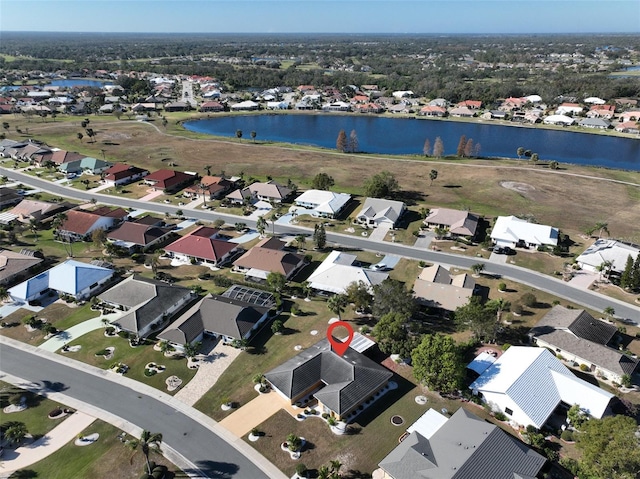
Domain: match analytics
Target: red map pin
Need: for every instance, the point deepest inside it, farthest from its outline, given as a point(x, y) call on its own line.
point(339, 346)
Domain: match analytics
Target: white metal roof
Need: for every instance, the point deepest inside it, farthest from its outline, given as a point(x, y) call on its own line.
point(511, 228)
point(324, 201)
point(427, 424)
point(361, 343)
point(481, 362)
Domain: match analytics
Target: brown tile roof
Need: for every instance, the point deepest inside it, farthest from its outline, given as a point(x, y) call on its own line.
point(62, 156)
point(79, 222)
point(169, 178)
point(118, 213)
point(272, 260)
point(138, 233)
point(201, 247)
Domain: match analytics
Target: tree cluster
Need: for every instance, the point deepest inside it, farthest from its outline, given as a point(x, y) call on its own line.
point(630, 277)
point(437, 362)
point(381, 185)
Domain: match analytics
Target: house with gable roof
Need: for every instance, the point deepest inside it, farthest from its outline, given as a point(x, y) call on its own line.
point(340, 384)
point(80, 224)
point(202, 245)
point(134, 236)
point(515, 232)
point(212, 187)
point(527, 384)
point(338, 271)
point(435, 287)
point(74, 278)
point(148, 304)
point(579, 337)
point(169, 180)
point(458, 222)
point(380, 211)
point(610, 251)
point(323, 203)
point(122, 174)
point(462, 446)
point(271, 191)
point(268, 256)
point(15, 265)
point(229, 316)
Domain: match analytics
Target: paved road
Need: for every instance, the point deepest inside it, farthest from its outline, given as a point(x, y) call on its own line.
point(540, 281)
point(209, 452)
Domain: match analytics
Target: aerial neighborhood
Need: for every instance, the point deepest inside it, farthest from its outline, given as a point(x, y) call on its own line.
point(475, 345)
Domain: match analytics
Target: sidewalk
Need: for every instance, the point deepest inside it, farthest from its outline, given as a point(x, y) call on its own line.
point(64, 432)
point(75, 332)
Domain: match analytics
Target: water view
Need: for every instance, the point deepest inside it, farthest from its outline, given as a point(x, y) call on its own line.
point(406, 136)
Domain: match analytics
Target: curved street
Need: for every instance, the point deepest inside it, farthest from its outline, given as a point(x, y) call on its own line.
point(212, 450)
point(531, 278)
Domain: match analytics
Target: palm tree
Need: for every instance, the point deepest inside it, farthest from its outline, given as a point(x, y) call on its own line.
point(80, 136)
point(324, 473)
point(34, 226)
point(306, 288)
point(4, 294)
point(609, 311)
point(253, 136)
point(337, 304)
point(261, 225)
point(207, 169)
point(203, 190)
point(500, 305)
point(57, 223)
point(15, 431)
point(604, 268)
point(239, 134)
point(301, 240)
point(335, 466)
point(601, 226)
point(433, 174)
point(192, 350)
point(154, 262)
point(148, 442)
point(477, 268)
point(520, 152)
point(293, 442)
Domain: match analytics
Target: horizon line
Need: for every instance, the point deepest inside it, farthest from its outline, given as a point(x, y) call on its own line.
point(324, 33)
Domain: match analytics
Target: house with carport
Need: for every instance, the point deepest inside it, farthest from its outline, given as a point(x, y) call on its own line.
point(528, 384)
point(583, 340)
point(146, 304)
point(340, 384)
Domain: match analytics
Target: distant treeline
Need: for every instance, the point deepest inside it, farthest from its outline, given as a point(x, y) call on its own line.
point(430, 66)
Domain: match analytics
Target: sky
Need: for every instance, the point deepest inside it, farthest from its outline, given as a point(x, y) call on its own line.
point(323, 16)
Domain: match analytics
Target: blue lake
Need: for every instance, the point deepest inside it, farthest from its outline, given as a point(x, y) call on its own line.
point(406, 136)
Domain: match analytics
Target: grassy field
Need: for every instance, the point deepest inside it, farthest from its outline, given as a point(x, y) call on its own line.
point(475, 184)
point(35, 417)
point(106, 458)
point(136, 358)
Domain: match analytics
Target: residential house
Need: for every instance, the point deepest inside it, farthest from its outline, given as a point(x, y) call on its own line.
point(435, 287)
point(457, 222)
point(203, 246)
point(271, 192)
point(220, 316)
point(211, 106)
point(607, 251)
point(247, 105)
point(58, 157)
point(211, 186)
point(601, 111)
point(562, 120)
point(9, 197)
point(629, 116)
point(28, 210)
point(74, 278)
point(569, 108)
point(147, 304)
point(177, 106)
point(379, 211)
point(134, 236)
point(528, 384)
point(432, 110)
point(598, 123)
point(340, 384)
point(322, 203)
point(518, 233)
point(471, 104)
point(15, 265)
point(169, 180)
point(628, 127)
point(338, 271)
point(337, 106)
point(578, 337)
point(121, 174)
point(268, 256)
point(462, 446)
point(462, 111)
point(80, 224)
point(88, 165)
point(369, 108)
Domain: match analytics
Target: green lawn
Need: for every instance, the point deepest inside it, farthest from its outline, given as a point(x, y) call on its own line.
point(106, 458)
point(136, 358)
point(35, 416)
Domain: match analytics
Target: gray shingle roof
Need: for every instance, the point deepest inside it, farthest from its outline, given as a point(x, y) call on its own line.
point(349, 380)
point(215, 314)
point(579, 322)
point(144, 299)
point(465, 447)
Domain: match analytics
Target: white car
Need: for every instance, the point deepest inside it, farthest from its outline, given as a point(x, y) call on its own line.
point(379, 267)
